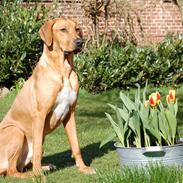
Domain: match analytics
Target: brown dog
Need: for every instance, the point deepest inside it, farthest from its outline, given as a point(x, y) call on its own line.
point(47, 99)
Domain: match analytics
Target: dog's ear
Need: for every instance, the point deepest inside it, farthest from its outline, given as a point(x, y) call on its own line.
point(46, 32)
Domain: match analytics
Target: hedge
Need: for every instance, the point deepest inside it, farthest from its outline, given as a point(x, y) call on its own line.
point(20, 45)
point(113, 66)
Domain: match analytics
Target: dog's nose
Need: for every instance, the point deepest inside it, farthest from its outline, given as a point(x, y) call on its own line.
point(79, 42)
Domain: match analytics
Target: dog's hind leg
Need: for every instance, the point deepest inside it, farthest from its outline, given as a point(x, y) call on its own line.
point(14, 149)
point(11, 145)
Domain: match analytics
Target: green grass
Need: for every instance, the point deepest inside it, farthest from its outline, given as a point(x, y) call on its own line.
point(92, 127)
point(150, 174)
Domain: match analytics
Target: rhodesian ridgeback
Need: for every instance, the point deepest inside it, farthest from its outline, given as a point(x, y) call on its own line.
point(47, 99)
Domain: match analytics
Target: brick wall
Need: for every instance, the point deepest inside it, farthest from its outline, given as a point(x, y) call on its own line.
point(152, 19)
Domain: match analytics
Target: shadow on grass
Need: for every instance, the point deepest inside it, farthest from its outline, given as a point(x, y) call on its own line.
point(90, 152)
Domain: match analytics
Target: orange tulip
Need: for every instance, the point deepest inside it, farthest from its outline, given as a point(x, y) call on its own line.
point(154, 99)
point(171, 97)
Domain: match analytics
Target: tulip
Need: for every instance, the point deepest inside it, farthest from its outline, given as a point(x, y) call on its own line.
point(172, 95)
point(154, 99)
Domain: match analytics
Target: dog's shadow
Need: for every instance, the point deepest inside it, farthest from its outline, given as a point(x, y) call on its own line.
point(90, 152)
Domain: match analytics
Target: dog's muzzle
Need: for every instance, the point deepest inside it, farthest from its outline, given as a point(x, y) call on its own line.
point(79, 42)
point(78, 47)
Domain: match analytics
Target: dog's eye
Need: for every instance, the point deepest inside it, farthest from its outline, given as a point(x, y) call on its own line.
point(63, 29)
point(77, 29)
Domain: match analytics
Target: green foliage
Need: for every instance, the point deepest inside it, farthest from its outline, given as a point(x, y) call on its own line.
point(141, 124)
point(152, 173)
point(112, 66)
point(20, 44)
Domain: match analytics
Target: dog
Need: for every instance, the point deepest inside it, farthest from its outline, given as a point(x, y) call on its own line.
point(47, 99)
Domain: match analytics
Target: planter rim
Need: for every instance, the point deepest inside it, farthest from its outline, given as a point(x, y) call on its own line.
point(118, 145)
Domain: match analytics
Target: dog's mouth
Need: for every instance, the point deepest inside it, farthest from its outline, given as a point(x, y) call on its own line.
point(75, 51)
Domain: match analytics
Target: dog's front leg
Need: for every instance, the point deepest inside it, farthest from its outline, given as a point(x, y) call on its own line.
point(38, 128)
point(70, 128)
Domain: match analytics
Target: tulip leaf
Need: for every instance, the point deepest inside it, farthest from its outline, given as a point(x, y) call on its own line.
point(135, 123)
point(127, 102)
point(112, 106)
point(124, 114)
point(154, 121)
point(127, 137)
point(172, 122)
point(120, 121)
point(176, 108)
point(137, 96)
point(171, 108)
point(116, 128)
point(109, 138)
point(163, 126)
point(144, 92)
point(144, 114)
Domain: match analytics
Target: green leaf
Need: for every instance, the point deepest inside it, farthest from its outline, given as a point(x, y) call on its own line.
point(124, 114)
point(164, 126)
point(116, 128)
point(137, 96)
point(176, 107)
point(144, 115)
point(121, 122)
point(172, 122)
point(135, 123)
point(144, 92)
point(127, 102)
point(127, 137)
point(112, 106)
point(154, 119)
point(109, 138)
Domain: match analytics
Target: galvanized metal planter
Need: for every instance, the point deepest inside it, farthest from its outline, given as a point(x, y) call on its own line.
point(166, 155)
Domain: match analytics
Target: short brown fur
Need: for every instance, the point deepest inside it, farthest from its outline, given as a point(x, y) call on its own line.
point(31, 116)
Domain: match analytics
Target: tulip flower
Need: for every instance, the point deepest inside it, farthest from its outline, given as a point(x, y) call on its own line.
point(154, 99)
point(171, 97)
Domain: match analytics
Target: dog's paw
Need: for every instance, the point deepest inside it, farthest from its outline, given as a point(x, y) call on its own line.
point(87, 170)
point(49, 167)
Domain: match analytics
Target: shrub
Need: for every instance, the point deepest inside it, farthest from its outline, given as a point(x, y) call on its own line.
point(112, 66)
point(20, 44)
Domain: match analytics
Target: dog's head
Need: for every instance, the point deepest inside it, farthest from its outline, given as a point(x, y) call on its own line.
point(62, 33)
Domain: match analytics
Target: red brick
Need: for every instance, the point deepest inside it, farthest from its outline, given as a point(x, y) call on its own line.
point(155, 21)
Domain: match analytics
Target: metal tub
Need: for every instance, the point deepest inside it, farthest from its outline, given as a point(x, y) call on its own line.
point(166, 155)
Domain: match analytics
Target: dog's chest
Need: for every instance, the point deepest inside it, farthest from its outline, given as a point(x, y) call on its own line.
point(65, 99)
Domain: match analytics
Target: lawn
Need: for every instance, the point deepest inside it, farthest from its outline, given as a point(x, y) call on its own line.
point(92, 127)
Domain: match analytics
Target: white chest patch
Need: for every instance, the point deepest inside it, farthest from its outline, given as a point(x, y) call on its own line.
point(66, 97)
point(30, 152)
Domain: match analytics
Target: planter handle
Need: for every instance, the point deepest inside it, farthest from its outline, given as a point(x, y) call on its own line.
point(155, 151)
